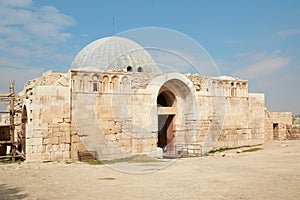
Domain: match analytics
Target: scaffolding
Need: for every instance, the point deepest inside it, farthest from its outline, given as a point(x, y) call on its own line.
point(8, 135)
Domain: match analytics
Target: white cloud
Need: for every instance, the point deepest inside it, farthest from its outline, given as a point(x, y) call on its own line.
point(45, 23)
point(288, 32)
point(12, 63)
point(31, 37)
point(16, 3)
point(19, 75)
point(264, 66)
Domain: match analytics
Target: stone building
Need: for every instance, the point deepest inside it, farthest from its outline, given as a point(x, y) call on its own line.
point(112, 104)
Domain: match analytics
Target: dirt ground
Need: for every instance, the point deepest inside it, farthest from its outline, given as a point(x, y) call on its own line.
point(271, 173)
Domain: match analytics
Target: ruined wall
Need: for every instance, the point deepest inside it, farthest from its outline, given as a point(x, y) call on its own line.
point(236, 130)
point(114, 114)
point(244, 122)
point(268, 126)
point(103, 105)
point(280, 121)
point(48, 128)
point(293, 132)
point(229, 115)
point(257, 118)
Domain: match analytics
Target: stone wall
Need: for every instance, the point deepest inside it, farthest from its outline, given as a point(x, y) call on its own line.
point(268, 126)
point(280, 121)
point(257, 118)
point(115, 115)
point(102, 109)
point(293, 132)
point(229, 115)
point(236, 130)
point(48, 128)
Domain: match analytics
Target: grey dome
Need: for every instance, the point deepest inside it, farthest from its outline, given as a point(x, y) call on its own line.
point(114, 52)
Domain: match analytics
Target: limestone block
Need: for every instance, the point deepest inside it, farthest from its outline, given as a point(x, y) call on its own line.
point(36, 134)
point(58, 155)
point(112, 130)
point(28, 149)
point(67, 120)
point(52, 155)
point(64, 139)
point(128, 148)
point(35, 141)
point(67, 139)
point(147, 148)
point(46, 156)
point(64, 128)
point(67, 147)
point(111, 137)
point(126, 135)
point(66, 154)
point(59, 98)
point(55, 148)
point(49, 148)
point(139, 148)
point(34, 157)
point(57, 120)
point(126, 142)
point(61, 147)
point(74, 130)
point(75, 139)
point(56, 133)
point(55, 129)
point(53, 140)
point(45, 141)
point(74, 151)
point(45, 134)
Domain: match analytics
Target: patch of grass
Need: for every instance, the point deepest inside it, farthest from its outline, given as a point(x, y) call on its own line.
point(94, 162)
point(132, 159)
point(46, 161)
point(232, 148)
point(252, 149)
point(107, 178)
point(222, 149)
point(8, 161)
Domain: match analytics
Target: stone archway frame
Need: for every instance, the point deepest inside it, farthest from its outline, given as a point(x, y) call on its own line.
point(185, 108)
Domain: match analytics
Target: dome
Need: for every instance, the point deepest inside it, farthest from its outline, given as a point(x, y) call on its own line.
point(114, 52)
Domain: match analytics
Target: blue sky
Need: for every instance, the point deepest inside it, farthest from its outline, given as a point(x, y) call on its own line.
point(257, 40)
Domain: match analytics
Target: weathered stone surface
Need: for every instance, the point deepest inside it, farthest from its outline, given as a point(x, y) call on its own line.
point(118, 113)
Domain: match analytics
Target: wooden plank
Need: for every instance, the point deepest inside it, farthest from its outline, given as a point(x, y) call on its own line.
point(4, 125)
point(8, 156)
point(4, 111)
point(19, 154)
point(5, 142)
point(166, 111)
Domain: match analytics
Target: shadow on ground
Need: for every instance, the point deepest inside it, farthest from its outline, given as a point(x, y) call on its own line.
point(11, 192)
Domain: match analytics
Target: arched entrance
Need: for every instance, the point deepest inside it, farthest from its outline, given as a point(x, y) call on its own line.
point(165, 100)
point(176, 111)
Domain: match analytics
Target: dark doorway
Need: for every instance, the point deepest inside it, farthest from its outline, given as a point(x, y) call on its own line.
point(129, 69)
point(275, 131)
point(165, 130)
point(165, 99)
